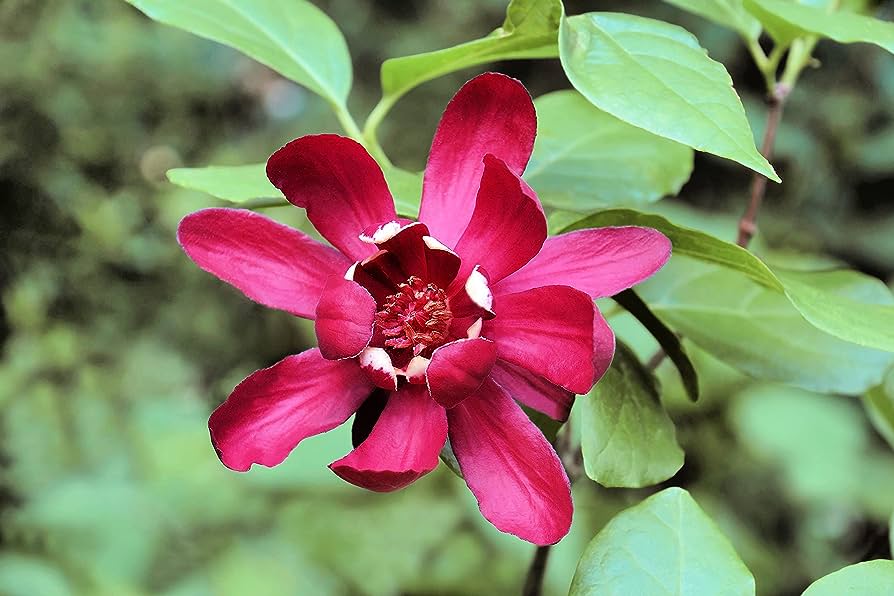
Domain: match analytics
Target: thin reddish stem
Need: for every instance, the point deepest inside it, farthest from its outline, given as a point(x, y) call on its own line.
point(748, 222)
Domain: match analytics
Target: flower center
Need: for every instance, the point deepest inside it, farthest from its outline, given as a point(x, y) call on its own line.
point(415, 317)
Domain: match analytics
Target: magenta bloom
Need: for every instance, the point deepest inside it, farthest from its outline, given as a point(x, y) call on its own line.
point(428, 330)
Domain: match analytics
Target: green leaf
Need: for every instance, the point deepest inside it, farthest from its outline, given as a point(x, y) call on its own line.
point(627, 439)
point(729, 13)
point(664, 545)
point(656, 76)
point(864, 316)
point(239, 184)
point(529, 31)
point(870, 578)
point(666, 338)
point(236, 184)
point(585, 159)
point(786, 20)
point(879, 403)
point(293, 37)
point(758, 330)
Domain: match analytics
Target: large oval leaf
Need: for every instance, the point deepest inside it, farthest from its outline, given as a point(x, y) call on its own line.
point(664, 545)
point(870, 578)
point(585, 159)
point(786, 20)
point(864, 316)
point(758, 331)
point(529, 31)
point(293, 37)
point(627, 439)
point(656, 76)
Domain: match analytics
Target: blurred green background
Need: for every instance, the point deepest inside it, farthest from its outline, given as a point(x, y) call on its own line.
point(115, 347)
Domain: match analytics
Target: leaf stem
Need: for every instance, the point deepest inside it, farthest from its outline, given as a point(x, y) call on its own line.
point(570, 455)
point(350, 127)
point(799, 57)
point(370, 128)
point(262, 203)
point(378, 114)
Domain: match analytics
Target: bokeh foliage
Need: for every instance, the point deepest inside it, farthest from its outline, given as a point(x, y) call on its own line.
point(115, 347)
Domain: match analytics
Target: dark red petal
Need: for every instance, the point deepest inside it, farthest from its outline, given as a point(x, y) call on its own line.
point(507, 227)
point(383, 267)
point(376, 363)
point(458, 368)
point(533, 390)
point(548, 331)
point(345, 316)
point(372, 278)
point(492, 113)
point(473, 298)
point(510, 467)
point(442, 263)
point(406, 244)
point(403, 445)
point(275, 408)
point(600, 261)
point(271, 263)
point(339, 184)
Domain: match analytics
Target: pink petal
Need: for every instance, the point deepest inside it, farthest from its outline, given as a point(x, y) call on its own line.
point(492, 113)
point(275, 408)
point(458, 368)
point(403, 446)
point(533, 390)
point(507, 227)
point(339, 184)
point(603, 345)
point(345, 316)
point(548, 331)
point(600, 261)
point(271, 263)
point(510, 467)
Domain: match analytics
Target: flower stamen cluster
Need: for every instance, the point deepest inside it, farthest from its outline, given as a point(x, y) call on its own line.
point(416, 317)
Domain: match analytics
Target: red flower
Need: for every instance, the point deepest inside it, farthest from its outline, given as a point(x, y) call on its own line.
point(455, 318)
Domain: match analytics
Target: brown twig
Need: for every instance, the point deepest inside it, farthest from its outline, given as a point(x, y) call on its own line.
point(747, 224)
point(569, 453)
